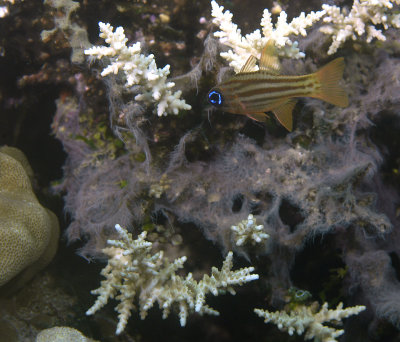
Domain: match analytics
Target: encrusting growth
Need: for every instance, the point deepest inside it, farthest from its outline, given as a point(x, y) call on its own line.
point(132, 271)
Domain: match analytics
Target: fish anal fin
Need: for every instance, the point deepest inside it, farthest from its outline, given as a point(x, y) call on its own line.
point(262, 117)
point(269, 60)
point(283, 114)
point(249, 65)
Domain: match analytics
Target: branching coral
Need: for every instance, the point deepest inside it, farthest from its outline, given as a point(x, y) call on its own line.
point(134, 272)
point(252, 44)
point(247, 231)
point(364, 17)
point(310, 319)
point(138, 70)
point(321, 178)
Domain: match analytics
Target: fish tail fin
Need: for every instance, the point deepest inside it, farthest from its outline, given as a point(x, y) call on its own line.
point(328, 78)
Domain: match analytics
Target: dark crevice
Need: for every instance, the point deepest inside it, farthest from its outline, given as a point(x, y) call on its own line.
point(290, 215)
point(237, 203)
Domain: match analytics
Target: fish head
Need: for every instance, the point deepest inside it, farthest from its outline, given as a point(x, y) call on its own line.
point(223, 100)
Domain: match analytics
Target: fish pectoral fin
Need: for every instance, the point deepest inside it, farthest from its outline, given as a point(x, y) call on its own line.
point(283, 114)
point(249, 65)
point(269, 60)
point(262, 117)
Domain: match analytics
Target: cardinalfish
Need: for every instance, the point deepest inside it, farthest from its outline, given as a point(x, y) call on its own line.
point(253, 93)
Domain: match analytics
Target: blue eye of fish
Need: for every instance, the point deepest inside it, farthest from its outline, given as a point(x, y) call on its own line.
point(215, 98)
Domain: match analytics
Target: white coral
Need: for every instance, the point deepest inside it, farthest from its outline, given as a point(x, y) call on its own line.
point(253, 43)
point(310, 319)
point(363, 17)
point(342, 25)
point(133, 273)
point(247, 231)
point(138, 70)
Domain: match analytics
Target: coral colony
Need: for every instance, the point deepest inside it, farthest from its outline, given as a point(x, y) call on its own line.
point(252, 44)
point(310, 319)
point(247, 231)
point(315, 179)
point(138, 70)
point(134, 272)
point(363, 17)
point(138, 179)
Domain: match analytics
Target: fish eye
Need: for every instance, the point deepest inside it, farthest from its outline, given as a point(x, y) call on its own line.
point(215, 98)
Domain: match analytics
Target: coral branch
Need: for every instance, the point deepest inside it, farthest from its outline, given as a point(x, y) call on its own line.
point(132, 271)
point(253, 43)
point(310, 319)
point(138, 70)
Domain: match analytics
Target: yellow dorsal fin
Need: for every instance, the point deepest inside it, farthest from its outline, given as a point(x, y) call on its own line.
point(283, 114)
point(249, 65)
point(269, 60)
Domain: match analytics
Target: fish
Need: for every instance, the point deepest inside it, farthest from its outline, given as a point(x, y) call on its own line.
point(254, 93)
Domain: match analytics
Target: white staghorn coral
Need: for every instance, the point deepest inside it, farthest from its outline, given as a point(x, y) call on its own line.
point(134, 273)
point(363, 17)
point(341, 25)
point(138, 70)
point(253, 43)
point(310, 319)
point(247, 231)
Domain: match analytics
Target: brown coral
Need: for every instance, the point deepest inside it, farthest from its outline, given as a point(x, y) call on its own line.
point(28, 232)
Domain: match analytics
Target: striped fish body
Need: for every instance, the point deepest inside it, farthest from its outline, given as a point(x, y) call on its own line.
point(259, 92)
point(255, 93)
